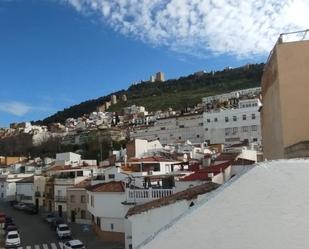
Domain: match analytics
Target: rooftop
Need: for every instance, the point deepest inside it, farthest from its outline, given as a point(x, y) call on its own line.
point(107, 187)
point(187, 194)
point(150, 159)
point(264, 208)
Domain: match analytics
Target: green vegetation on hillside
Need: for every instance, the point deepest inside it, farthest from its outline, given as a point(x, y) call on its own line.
point(176, 93)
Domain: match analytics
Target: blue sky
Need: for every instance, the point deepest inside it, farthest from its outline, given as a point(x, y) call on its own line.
point(56, 53)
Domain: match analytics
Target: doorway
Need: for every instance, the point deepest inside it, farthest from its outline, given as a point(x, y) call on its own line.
point(60, 210)
point(73, 216)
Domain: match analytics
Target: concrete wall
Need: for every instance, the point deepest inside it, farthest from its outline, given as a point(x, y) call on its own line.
point(285, 94)
point(148, 223)
point(25, 190)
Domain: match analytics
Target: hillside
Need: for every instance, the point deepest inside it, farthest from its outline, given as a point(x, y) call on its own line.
point(176, 93)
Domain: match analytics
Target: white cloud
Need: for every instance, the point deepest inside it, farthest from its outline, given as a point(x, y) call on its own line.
point(238, 27)
point(20, 109)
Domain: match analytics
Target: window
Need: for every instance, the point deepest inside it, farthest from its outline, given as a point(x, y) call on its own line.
point(79, 173)
point(197, 136)
point(179, 137)
point(83, 199)
point(255, 139)
point(245, 128)
point(82, 214)
point(163, 128)
point(254, 128)
point(112, 226)
point(244, 117)
point(200, 124)
point(226, 119)
point(234, 118)
point(206, 129)
point(227, 131)
point(216, 119)
point(87, 198)
point(111, 176)
point(181, 126)
point(72, 198)
point(208, 120)
point(235, 130)
point(253, 116)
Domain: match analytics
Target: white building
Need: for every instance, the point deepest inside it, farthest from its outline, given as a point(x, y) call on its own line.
point(65, 179)
point(25, 190)
point(109, 203)
point(68, 158)
point(140, 148)
point(234, 125)
point(261, 209)
point(145, 220)
point(173, 129)
point(7, 189)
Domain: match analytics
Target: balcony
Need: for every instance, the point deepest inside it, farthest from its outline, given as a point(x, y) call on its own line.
point(60, 198)
point(145, 195)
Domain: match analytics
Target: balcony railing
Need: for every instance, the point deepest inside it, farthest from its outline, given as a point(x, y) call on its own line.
point(144, 195)
point(60, 198)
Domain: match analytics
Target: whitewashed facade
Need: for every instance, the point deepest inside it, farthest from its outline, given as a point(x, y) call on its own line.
point(173, 129)
point(231, 126)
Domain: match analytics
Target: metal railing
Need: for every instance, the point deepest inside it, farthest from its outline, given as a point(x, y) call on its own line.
point(136, 195)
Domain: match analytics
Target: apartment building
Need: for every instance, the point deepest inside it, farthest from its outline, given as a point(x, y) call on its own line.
point(77, 203)
point(234, 125)
point(285, 92)
point(173, 129)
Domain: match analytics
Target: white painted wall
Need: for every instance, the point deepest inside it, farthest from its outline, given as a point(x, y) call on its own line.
point(173, 129)
point(26, 190)
point(117, 223)
point(217, 130)
point(143, 226)
point(108, 207)
point(7, 190)
point(68, 157)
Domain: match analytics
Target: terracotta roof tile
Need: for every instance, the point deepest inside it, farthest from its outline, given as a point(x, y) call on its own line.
point(151, 159)
point(83, 184)
point(202, 174)
point(188, 194)
point(107, 187)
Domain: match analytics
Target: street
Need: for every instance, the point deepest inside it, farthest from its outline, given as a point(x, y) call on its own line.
point(37, 234)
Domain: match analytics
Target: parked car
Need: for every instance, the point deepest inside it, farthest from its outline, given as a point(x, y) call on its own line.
point(12, 239)
point(49, 218)
point(20, 206)
point(63, 231)
point(9, 223)
point(30, 209)
point(57, 221)
point(10, 228)
point(74, 244)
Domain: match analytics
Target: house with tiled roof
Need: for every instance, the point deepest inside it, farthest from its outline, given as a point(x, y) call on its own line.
point(109, 202)
point(106, 209)
point(145, 220)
